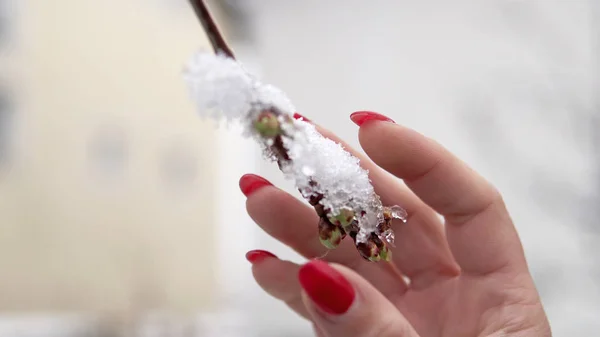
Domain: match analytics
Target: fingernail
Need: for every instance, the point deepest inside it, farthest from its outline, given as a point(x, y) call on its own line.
point(361, 117)
point(255, 256)
point(326, 287)
point(301, 118)
point(250, 183)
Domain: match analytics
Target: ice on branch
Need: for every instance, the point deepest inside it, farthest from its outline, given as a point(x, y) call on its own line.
point(328, 176)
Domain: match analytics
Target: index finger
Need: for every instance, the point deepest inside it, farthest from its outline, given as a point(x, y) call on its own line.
point(479, 230)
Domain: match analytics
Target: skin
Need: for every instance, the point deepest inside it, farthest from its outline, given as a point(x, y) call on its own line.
point(459, 251)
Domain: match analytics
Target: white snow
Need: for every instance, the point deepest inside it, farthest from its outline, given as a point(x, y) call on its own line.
point(222, 88)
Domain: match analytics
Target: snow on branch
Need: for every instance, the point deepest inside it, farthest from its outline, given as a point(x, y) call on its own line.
point(328, 176)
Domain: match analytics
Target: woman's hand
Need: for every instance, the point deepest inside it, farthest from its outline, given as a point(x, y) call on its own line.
point(466, 276)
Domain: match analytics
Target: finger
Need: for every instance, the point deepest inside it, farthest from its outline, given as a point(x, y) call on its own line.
point(295, 224)
point(479, 230)
point(342, 303)
point(421, 250)
point(278, 278)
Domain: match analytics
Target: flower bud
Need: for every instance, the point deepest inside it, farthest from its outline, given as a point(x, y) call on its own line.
point(385, 253)
point(368, 250)
point(330, 235)
point(374, 249)
point(344, 217)
point(267, 124)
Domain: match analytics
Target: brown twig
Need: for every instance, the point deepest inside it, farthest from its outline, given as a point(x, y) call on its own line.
point(210, 27)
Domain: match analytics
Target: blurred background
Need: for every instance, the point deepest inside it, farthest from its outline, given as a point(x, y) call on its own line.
point(120, 213)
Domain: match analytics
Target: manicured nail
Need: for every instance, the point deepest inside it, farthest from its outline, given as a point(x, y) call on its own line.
point(301, 118)
point(361, 117)
point(326, 287)
point(255, 256)
point(250, 183)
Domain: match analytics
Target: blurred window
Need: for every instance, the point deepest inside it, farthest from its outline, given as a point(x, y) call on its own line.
point(108, 150)
point(6, 7)
point(179, 166)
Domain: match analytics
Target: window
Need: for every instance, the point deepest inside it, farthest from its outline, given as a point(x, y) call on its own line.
point(179, 166)
point(108, 151)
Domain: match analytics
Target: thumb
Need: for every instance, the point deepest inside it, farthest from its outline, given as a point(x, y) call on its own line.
point(342, 303)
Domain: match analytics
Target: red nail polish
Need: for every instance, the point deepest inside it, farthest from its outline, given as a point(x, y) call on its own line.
point(326, 287)
point(361, 117)
point(255, 256)
point(250, 183)
point(301, 118)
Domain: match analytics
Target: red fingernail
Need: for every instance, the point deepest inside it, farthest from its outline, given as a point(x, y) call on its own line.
point(255, 256)
point(326, 287)
point(250, 183)
point(361, 117)
point(301, 118)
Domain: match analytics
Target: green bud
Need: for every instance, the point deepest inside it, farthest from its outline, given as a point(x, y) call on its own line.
point(330, 235)
point(369, 251)
point(344, 218)
point(375, 258)
point(385, 254)
point(267, 124)
point(374, 249)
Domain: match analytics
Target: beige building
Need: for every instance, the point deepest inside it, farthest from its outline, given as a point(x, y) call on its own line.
point(109, 204)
